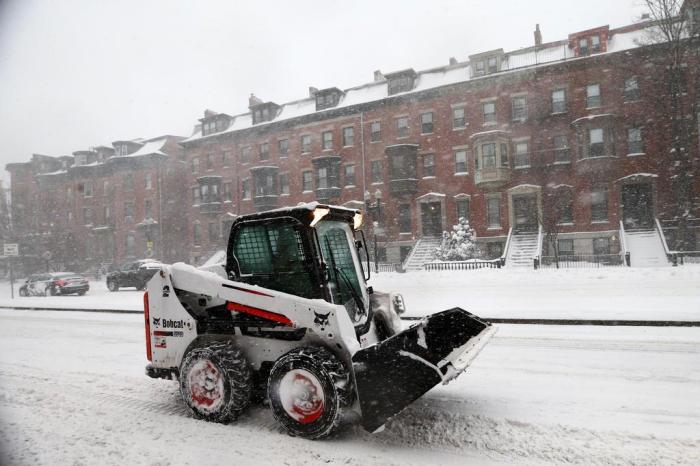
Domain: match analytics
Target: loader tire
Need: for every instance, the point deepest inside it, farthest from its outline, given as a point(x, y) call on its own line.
point(216, 381)
point(307, 389)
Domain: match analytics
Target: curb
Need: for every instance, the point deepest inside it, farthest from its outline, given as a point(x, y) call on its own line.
point(494, 320)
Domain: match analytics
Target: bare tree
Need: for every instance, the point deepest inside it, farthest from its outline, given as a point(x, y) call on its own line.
point(678, 34)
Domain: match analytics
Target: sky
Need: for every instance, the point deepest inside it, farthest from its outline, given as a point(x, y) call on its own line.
point(80, 73)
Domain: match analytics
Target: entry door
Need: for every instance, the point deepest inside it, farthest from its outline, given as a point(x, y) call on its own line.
point(637, 207)
point(525, 213)
point(431, 216)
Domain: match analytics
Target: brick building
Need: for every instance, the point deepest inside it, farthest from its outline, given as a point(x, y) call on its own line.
point(103, 205)
point(572, 135)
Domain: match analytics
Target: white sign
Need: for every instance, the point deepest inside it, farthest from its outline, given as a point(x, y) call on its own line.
point(11, 249)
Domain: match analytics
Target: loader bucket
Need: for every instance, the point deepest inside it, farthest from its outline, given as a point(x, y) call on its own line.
point(395, 372)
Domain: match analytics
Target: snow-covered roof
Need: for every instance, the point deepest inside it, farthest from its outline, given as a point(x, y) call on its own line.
point(546, 54)
point(638, 175)
point(150, 148)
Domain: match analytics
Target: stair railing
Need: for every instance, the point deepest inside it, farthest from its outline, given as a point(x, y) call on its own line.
point(537, 257)
point(670, 255)
point(504, 255)
point(624, 250)
point(410, 255)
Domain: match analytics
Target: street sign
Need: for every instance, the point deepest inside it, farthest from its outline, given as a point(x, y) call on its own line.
point(11, 249)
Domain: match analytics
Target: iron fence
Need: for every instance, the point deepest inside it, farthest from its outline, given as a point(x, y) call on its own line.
point(582, 261)
point(463, 265)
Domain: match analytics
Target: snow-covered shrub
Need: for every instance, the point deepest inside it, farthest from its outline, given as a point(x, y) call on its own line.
point(459, 245)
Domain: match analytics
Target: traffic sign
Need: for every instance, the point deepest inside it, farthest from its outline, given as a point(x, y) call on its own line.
point(11, 249)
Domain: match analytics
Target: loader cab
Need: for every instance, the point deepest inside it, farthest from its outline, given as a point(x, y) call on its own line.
point(308, 251)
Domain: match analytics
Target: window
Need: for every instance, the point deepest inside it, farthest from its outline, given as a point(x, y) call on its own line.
point(264, 184)
point(148, 181)
point(561, 149)
point(596, 143)
point(327, 137)
point(461, 161)
point(489, 110)
point(519, 106)
point(123, 150)
point(228, 194)
point(307, 181)
point(593, 96)
point(306, 144)
point(402, 167)
point(583, 47)
point(283, 147)
point(87, 189)
point(264, 151)
point(107, 212)
point(559, 101)
point(404, 218)
point(197, 233)
point(195, 165)
point(128, 211)
point(492, 65)
point(148, 209)
point(349, 175)
point(196, 198)
point(225, 158)
point(480, 68)
point(400, 84)
point(458, 119)
point(375, 134)
point(87, 216)
point(246, 153)
point(322, 178)
point(426, 123)
point(428, 165)
point(377, 171)
point(130, 245)
point(522, 155)
point(601, 246)
point(210, 161)
point(565, 247)
point(564, 205)
point(631, 89)
point(348, 136)
point(463, 208)
point(599, 205)
point(246, 191)
point(493, 212)
point(213, 231)
point(635, 144)
point(595, 44)
point(488, 155)
point(284, 183)
point(402, 127)
point(129, 182)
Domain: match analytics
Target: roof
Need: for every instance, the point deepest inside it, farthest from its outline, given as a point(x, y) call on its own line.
point(620, 39)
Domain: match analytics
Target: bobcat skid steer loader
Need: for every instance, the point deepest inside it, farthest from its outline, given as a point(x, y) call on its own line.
point(290, 318)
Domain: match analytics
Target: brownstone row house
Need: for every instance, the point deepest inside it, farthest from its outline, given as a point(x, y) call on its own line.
point(562, 148)
point(100, 206)
point(570, 137)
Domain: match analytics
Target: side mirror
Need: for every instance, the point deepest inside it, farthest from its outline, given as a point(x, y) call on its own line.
point(362, 244)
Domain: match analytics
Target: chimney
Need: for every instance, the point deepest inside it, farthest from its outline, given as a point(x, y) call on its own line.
point(378, 76)
point(312, 91)
point(645, 17)
point(453, 61)
point(538, 36)
point(253, 101)
point(209, 113)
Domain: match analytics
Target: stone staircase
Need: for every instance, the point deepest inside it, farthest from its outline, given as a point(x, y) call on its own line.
point(521, 250)
point(423, 251)
point(646, 249)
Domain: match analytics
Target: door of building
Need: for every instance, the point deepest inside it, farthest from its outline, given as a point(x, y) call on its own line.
point(637, 206)
point(525, 213)
point(431, 217)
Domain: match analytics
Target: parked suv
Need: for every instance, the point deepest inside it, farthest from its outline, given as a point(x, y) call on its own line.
point(57, 283)
point(134, 274)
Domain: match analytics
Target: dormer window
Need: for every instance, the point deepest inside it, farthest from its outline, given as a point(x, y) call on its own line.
point(595, 44)
point(589, 42)
point(486, 62)
point(80, 159)
point(264, 112)
point(493, 65)
point(123, 150)
point(583, 47)
point(480, 69)
point(327, 98)
point(401, 81)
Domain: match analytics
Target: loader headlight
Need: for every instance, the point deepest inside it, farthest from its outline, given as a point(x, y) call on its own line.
point(319, 213)
point(357, 221)
point(399, 305)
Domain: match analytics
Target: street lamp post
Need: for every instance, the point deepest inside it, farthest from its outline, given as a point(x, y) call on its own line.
point(375, 210)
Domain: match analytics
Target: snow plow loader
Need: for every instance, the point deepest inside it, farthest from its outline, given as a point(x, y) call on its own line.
point(289, 318)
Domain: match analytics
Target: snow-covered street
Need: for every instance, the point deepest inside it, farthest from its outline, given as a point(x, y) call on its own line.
point(72, 390)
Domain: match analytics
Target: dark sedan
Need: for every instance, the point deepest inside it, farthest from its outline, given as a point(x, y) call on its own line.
point(56, 283)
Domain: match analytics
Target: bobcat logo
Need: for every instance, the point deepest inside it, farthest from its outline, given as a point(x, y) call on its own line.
point(166, 291)
point(321, 319)
point(156, 322)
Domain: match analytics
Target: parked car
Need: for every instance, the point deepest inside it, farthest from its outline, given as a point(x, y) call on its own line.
point(134, 274)
point(56, 283)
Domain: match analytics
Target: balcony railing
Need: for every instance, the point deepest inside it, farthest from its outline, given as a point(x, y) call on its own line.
point(493, 175)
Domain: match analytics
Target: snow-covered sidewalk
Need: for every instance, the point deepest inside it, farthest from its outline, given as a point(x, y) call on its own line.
point(72, 390)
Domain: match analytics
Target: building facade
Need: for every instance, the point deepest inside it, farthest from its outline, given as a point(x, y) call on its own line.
point(573, 135)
